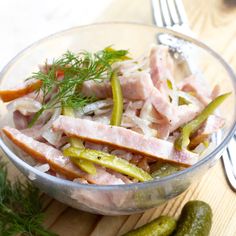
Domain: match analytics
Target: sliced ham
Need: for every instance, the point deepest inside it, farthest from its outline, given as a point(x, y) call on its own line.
point(162, 105)
point(136, 86)
point(33, 132)
point(59, 163)
point(124, 139)
point(184, 114)
point(198, 87)
point(210, 126)
point(175, 116)
point(215, 91)
point(161, 64)
point(20, 90)
point(20, 121)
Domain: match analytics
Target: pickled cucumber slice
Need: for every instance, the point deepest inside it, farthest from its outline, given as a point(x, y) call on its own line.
point(160, 169)
point(162, 226)
point(195, 219)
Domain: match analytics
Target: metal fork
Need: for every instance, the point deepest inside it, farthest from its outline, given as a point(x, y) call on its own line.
point(171, 14)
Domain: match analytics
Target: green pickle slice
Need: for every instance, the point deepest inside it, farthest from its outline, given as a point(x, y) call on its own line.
point(161, 169)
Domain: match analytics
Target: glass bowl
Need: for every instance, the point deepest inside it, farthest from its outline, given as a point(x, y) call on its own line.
point(130, 198)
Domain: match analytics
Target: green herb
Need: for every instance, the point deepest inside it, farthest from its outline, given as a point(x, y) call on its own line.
point(20, 208)
point(77, 68)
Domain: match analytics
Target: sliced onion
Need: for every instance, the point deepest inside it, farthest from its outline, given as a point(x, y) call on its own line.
point(147, 113)
point(46, 131)
point(52, 137)
point(200, 149)
point(144, 126)
point(191, 99)
point(41, 167)
point(102, 111)
point(90, 108)
point(25, 105)
point(126, 68)
point(123, 154)
point(102, 119)
point(80, 180)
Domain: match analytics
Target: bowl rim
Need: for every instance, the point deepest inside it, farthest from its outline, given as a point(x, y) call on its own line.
point(64, 182)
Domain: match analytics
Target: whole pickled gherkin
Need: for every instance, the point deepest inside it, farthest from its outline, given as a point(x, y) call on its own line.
point(195, 219)
point(162, 226)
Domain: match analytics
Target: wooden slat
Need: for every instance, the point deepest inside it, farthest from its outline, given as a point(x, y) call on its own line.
point(74, 223)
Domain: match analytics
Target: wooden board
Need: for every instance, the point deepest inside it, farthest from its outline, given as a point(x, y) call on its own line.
point(214, 22)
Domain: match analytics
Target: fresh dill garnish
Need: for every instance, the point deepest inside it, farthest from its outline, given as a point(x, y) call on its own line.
point(20, 208)
point(76, 69)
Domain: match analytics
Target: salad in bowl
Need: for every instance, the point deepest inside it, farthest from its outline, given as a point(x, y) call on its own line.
point(106, 118)
point(114, 129)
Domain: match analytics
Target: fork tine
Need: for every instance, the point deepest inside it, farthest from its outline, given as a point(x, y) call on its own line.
point(228, 170)
point(173, 12)
point(181, 12)
point(232, 154)
point(165, 13)
point(157, 13)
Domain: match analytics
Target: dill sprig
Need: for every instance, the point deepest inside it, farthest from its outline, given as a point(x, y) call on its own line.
point(20, 208)
point(76, 68)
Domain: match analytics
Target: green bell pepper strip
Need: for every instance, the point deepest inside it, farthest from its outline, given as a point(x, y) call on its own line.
point(84, 165)
point(190, 128)
point(117, 111)
point(109, 161)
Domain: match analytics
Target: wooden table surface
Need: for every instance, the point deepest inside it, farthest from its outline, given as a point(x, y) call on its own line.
point(214, 23)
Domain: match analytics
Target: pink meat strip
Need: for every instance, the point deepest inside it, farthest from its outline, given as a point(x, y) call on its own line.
point(20, 121)
point(137, 86)
point(161, 64)
point(184, 114)
point(59, 163)
point(175, 115)
point(162, 105)
point(161, 69)
point(211, 125)
point(123, 138)
point(198, 87)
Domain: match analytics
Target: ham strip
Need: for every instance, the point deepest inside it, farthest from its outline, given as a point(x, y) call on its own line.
point(198, 87)
point(59, 163)
point(20, 90)
point(161, 64)
point(137, 86)
point(123, 138)
point(163, 106)
point(210, 126)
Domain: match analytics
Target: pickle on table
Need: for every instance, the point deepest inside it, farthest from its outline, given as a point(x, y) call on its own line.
point(162, 226)
point(195, 219)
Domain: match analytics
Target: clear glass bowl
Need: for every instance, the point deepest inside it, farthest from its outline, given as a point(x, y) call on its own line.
point(130, 198)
